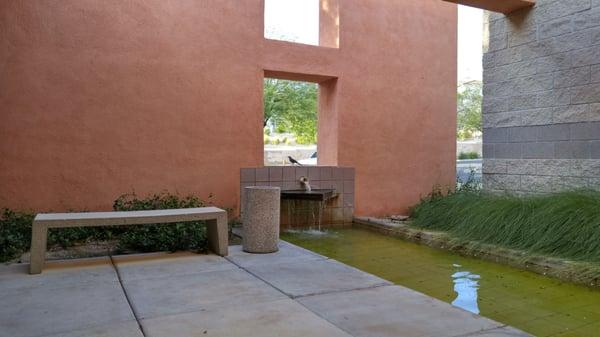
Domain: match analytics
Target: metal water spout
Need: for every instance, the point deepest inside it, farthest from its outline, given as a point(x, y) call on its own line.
point(305, 184)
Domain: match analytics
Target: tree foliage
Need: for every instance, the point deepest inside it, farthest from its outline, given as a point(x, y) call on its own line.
point(469, 100)
point(292, 107)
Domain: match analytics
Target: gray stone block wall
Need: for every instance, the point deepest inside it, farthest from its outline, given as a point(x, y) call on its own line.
point(541, 105)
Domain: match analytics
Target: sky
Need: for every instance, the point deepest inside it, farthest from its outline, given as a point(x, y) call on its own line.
point(298, 21)
point(470, 38)
point(292, 20)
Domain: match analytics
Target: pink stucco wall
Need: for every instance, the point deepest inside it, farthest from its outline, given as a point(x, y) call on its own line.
point(100, 98)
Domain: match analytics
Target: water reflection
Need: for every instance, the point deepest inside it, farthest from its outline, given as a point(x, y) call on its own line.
point(315, 232)
point(465, 287)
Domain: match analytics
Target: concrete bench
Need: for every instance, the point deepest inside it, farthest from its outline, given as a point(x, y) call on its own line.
point(215, 218)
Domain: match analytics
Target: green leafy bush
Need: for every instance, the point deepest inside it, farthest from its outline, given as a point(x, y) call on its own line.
point(15, 233)
point(162, 237)
point(468, 155)
point(565, 225)
point(15, 229)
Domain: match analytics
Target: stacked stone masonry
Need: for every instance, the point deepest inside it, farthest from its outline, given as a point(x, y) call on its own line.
point(541, 109)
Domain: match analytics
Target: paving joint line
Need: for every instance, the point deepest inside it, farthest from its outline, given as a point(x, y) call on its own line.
point(289, 296)
point(379, 285)
point(325, 319)
point(258, 277)
point(129, 302)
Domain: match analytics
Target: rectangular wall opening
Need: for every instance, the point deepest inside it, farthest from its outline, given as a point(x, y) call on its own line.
point(469, 96)
point(299, 119)
point(290, 122)
point(312, 22)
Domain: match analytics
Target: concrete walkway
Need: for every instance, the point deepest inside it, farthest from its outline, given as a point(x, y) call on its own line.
point(290, 293)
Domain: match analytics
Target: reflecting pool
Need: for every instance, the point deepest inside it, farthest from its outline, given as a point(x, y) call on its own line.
point(533, 303)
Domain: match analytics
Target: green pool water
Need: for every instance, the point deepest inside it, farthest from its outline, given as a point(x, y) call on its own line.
point(539, 305)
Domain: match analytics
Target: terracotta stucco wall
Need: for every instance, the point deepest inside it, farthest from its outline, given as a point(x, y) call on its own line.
point(103, 98)
point(397, 101)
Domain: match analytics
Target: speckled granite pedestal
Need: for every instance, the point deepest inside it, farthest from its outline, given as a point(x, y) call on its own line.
point(261, 219)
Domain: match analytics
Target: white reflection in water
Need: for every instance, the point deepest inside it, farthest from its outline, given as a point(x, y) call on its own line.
point(307, 231)
point(465, 286)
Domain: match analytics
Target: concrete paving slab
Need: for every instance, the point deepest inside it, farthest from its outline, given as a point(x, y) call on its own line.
point(287, 253)
point(281, 318)
point(395, 311)
point(145, 266)
point(204, 295)
point(47, 309)
point(174, 294)
point(314, 277)
point(58, 274)
point(123, 329)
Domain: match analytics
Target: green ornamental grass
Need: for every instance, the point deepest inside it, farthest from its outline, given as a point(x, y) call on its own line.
point(565, 225)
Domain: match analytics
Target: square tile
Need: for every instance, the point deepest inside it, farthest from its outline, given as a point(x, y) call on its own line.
point(276, 184)
point(275, 174)
point(326, 173)
point(314, 173)
point(301, 172)
point(348, 186)
point(327, 183)
point(262, 174)
point(314, 277)
point(338, 186)
point(247, 175)
point(348, 214)
point(291, 185)
point(289, 173)
point(348, 200)
point(316, 184)
point(338, 200)
point(337, 215)
point(337, 173)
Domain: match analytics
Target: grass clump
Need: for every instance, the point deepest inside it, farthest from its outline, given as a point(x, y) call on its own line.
point(565, 225)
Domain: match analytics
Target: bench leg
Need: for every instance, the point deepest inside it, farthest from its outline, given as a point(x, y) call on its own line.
point(218, 236)
point(39, 236)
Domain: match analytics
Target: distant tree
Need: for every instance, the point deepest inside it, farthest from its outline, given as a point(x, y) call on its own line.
point(469, 100)
point(292, 107)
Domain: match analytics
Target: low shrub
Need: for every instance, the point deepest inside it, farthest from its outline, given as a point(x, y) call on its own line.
point(468, 155)
point(162, 237)
point(15, 229)
point(565, 225)
point(15, 233)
